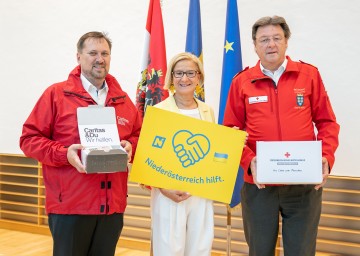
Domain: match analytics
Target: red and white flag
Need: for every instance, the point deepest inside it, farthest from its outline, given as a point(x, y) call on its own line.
point(150, 89)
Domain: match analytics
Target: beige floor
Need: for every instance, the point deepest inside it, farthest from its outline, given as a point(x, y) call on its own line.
point(15, 243)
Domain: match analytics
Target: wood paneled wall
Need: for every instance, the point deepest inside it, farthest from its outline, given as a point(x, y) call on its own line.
point(22, 208)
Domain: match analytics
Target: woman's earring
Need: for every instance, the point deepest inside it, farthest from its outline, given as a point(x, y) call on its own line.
point(172, 88)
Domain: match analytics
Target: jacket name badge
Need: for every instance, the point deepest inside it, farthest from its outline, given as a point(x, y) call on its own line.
point(258, 99)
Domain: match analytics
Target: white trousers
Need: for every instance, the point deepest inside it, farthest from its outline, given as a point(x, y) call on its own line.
point(181, 229)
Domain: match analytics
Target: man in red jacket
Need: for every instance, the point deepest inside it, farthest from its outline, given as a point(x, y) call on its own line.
point(85, 210)
point(280, 100)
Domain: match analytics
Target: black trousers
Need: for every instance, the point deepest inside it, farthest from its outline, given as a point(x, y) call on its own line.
point(85, 235)
point(299, 207)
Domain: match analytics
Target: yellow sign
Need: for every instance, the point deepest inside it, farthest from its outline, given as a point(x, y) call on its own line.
point(183, 153)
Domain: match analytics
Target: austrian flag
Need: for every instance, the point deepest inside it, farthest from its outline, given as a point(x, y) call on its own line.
point(153, 65)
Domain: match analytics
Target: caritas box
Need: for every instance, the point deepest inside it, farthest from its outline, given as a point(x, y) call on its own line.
point(99, 135)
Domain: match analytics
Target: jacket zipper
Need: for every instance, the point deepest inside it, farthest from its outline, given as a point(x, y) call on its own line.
point(277, 112)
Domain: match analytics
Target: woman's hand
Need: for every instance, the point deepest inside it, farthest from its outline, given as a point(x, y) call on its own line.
point(175, 195)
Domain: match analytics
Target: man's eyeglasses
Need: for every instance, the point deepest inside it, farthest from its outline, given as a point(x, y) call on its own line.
point(189, 73)
point(266, 40)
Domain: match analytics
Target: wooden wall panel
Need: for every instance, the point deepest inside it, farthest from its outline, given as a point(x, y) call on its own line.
point(22, 208)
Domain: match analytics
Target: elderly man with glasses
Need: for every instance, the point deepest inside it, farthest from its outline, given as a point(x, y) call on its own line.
point(280, 100)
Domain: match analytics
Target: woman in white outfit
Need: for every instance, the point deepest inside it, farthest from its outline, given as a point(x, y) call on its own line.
point(182, 224)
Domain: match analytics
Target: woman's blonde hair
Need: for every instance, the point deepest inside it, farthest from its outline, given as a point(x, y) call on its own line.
point(179, 57)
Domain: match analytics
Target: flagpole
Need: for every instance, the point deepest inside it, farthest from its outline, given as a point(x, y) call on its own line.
point(232, 64)
point(228, 219)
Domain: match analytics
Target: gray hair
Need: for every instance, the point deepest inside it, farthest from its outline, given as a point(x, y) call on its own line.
point(275, 20)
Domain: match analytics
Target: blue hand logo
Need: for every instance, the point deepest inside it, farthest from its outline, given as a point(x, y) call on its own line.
point(190, 148)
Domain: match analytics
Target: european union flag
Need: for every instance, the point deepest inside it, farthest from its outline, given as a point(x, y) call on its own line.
point(194, 38)
point(232, 64)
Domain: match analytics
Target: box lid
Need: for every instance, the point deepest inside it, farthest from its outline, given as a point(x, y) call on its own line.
point(97, 126)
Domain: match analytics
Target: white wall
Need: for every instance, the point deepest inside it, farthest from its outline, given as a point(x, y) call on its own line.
point(38, 48)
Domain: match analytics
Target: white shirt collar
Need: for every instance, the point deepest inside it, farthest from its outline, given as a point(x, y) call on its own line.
point(281, 68)
point(98, 95)
point(89, 86)
point(277, 74)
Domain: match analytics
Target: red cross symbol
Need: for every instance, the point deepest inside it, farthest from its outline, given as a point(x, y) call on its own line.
point(257, 98)
point(287, 154)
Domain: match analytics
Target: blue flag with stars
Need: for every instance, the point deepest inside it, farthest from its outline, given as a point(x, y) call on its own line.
point(232, 64)
point(232, 60)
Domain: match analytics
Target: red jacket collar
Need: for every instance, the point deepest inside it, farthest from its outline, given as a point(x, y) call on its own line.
point(257, 74)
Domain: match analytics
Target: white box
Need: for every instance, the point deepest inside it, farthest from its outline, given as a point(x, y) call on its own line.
point(99, 135)
point(289, 162)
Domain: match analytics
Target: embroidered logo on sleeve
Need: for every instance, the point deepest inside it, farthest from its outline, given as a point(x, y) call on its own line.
point(122, 120)
point(258, 99)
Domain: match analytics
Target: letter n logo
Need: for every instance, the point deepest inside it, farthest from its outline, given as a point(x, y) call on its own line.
point(158, 142)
